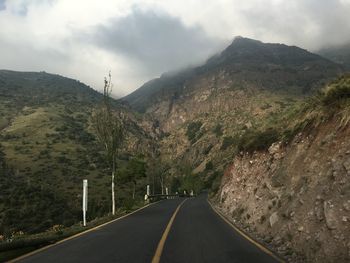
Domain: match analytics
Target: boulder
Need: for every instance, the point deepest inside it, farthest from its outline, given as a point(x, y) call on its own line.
point(329, 214)
point(346, 165)
point(273, 219)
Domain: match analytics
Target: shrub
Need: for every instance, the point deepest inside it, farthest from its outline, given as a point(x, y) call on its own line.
point(218, 130)
point(192, 130)
point(209, 166)
point(258, 140)
point(337, 92)
point(208, 149)
point(227, 142)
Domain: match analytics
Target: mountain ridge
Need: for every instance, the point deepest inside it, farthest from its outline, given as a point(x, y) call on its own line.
point(243, 55)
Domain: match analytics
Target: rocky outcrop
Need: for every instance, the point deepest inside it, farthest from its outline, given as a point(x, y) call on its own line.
point(296, 197)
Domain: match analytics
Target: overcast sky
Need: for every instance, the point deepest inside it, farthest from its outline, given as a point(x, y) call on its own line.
point(140, 39)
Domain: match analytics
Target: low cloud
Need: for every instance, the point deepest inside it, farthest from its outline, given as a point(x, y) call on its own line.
point(2, 5)
point(156, 41)
point(140, 39)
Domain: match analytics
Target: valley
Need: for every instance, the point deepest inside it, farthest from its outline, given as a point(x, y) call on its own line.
point(263, 127)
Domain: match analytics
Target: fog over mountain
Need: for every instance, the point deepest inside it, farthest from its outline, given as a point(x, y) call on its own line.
point(139, 40)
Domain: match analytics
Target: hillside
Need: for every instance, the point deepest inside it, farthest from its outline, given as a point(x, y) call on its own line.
point(294, 195)
point(246, 62)
point(247, 87)
point(338, 54)
point(248, 125)
point(50, 147)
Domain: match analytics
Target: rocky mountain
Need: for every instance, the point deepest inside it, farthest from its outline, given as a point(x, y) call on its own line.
point(295, 196)
point(246, 62)
point(201, 111)
point(49, 146)
point(266, 129)
point(338, 54)
point(264, 126)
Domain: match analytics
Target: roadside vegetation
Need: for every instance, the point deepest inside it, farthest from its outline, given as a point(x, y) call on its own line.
point(331, 102)
point(49, 145)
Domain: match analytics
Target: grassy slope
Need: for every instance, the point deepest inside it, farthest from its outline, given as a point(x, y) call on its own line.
point(48, 141)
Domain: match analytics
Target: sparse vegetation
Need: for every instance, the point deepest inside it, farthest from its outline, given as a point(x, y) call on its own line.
point(218, 130)
point(254, 140)
point(227, 142)
point(193, 131)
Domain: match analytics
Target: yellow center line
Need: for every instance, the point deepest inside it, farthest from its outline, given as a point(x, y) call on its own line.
point(159, 250)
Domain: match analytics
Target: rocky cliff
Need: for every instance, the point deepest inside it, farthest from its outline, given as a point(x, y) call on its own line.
point(296, 196)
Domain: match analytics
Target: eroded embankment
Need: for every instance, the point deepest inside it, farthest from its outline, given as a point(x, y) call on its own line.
point(296, 198)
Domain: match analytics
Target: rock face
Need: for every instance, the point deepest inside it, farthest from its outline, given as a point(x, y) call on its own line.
point(227, 96)
point(310, 211)
point(246, 63)
point(273, 219)
point(203, 112)
point(330, 214)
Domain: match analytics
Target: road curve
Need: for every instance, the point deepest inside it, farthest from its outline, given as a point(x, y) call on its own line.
point(197, 234)
point(132, 239)
point(200, 235)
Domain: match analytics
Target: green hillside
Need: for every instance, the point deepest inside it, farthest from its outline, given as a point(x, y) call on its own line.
point(50, 147)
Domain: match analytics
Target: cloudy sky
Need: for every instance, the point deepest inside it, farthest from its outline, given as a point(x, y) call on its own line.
point(140, 39)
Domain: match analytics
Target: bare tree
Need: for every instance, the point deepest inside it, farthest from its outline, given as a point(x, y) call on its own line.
point(109, 127)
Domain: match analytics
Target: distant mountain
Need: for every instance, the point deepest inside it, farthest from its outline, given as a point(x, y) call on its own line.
point(203, 111)
point(49, 147)
point(338, 54)
point(246, 62)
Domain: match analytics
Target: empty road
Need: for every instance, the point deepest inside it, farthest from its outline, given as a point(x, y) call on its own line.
point(196, 234)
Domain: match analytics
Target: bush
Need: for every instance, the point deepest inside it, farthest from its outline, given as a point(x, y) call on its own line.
point(258, 140)
point(227, 142)
point(337, 92)
point(192, 130)
point(218, 130)
point(209, 166)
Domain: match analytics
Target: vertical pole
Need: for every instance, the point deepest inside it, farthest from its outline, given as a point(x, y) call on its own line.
point(166, 192)
point(113, 194)
point(148, 190)
point(85, 200)
point(147, 193)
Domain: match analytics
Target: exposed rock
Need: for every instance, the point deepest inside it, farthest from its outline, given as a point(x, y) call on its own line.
point(275, 150)
point(346, 205)
point(273, 219)
point(248, 125)
point(329, 214)
point(300, 228)
point(346, 165)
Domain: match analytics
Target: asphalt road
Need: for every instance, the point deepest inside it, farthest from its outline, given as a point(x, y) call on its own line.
point(197, 234)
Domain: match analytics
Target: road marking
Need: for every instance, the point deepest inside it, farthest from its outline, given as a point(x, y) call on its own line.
point(261, 247)
point(159, 250)
point(76, 235)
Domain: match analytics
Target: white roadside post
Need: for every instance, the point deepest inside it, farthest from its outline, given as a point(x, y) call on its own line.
point(148, 192)
point(166, 192)
point(85, 200)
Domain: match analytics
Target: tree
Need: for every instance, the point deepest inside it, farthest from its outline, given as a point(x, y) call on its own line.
point(109, 126)
point(135, 170)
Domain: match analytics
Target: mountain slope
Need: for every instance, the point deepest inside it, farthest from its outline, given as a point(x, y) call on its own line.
point(50, 147)
point(338, 54)
point(245, 62)
point(202, 112)
point(295, 194)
